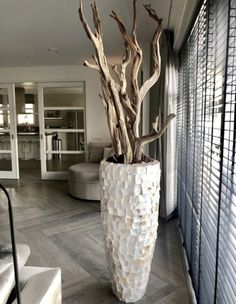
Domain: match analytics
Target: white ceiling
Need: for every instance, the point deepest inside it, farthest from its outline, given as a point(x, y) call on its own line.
point(28, 28)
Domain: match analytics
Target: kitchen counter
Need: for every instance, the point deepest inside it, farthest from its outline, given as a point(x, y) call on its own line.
point(28, 133)
point(21, 134)
point(28, 145)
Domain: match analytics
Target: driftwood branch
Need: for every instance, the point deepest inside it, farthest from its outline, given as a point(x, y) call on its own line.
point(111, 123)
point(96, 20)
point(121, 101)
point(111, 91)
point(91, 66)
point(137, 61)
point(155, 53)
point(84, 23)
point(123, 30)
point(131, 41)
point(116, 71)
point(155, 133)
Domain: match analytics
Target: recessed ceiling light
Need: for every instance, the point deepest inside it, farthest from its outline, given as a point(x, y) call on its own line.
point(28, 83)
point(53, 50)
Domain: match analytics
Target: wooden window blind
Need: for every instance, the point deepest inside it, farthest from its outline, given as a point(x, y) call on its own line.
point(206, 129)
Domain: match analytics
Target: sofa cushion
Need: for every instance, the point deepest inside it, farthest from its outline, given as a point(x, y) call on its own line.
point(96, 150)
point(85, 172)
point(108, 152)
point(7, 276)
point(40, 285)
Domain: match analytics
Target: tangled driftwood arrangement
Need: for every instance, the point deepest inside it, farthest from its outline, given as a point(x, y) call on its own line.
point(123, 105)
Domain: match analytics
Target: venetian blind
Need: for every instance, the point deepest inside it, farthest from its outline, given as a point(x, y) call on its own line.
point(206, 128)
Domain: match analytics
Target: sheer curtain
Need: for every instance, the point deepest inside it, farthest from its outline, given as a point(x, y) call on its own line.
point(163, 97)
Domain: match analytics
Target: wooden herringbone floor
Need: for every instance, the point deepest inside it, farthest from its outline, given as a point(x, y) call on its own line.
point(65, 232)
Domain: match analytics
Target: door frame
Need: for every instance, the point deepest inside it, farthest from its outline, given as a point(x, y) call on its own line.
point(14, 173)
point(50, 175)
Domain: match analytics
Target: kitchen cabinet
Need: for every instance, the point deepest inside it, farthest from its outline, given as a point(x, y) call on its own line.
point(28, 146)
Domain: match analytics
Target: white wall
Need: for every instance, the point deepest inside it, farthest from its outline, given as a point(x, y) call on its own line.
point(188, 11)
point(96, 122)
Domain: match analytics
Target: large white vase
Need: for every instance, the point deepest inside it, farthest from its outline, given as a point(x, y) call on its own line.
point(129, 209)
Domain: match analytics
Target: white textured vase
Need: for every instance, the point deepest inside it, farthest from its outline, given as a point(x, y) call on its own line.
point(129, 209)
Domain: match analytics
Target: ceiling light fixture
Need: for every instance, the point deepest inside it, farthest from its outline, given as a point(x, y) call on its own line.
point(28, 83)
point(53, 50)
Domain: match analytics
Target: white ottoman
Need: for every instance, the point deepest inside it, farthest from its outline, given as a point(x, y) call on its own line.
point(83, 181)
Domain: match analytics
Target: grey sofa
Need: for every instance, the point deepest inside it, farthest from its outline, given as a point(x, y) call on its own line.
point(38, 285)
point(7, 279)
point(83, 178)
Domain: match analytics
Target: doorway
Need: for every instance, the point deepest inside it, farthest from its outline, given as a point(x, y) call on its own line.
point(27, 119)
point(62, 127)
point(42, 129)
point(8, 137)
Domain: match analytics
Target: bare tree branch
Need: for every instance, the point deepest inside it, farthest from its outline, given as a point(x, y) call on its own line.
point(137, 60)
point(112, 121)
point(127, 106)
point(123, 30)
point(116, 71)
point(155, 124)
point(155, 132)
point(92, 66)
point(123, 104)
point(96, 20)
point(108, 84)
point(125, 62)
point(155, 52)
point(152, 13)
point(134, 20)
point(85, 24)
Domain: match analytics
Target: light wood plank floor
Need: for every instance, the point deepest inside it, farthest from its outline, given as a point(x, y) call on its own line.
point(65, 232)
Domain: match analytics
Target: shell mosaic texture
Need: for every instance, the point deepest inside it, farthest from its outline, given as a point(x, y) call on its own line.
point(129, 210)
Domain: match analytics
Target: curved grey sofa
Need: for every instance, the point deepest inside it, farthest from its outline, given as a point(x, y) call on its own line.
point(83, 181)
point(83, 178)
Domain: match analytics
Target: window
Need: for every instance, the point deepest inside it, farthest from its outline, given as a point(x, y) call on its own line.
point(25, 119)
point(28, 117)
point(29, 108)
point(206, 124)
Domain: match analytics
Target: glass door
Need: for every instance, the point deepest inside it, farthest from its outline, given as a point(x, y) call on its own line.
point(62, 127)
point(8, 139)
